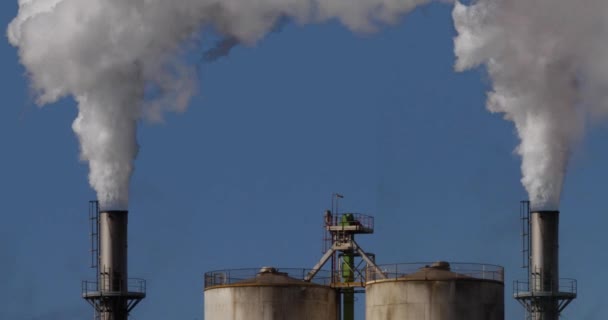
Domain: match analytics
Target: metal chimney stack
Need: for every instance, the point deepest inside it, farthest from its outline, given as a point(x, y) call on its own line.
point(544, 295)
point(113, 295)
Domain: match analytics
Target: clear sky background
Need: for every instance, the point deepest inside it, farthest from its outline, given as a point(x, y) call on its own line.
point(242, 178)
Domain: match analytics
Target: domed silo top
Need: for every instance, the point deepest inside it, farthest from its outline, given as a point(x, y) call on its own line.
point(271, 276)
point(437, 291)
point(266, 276)
point(437, 271)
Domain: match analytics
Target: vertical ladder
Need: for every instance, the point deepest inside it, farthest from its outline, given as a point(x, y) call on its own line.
point(524, 213)
point(94, 235)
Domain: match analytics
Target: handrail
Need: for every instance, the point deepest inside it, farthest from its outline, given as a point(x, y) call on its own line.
point(473, 270)
point(364, 220)
point(134, 285)
point(565, 285)
point(232, 276)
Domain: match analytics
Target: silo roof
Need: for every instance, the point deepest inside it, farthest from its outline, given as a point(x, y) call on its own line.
point(267, 277)
point(435, 274)
point(272, 278)
point(437, 271)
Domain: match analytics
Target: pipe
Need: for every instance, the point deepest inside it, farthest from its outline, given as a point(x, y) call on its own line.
point(348, 304)
point(348, 275)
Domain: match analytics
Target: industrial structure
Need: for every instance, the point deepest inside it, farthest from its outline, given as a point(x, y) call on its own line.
point(113, 295)
point(437, 291)
point(431, 291)
point(412, 291)
point(348, 260)
point(268, 294)
point(544, 294)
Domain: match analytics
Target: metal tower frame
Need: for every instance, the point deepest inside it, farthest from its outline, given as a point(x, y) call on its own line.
point(348, 276)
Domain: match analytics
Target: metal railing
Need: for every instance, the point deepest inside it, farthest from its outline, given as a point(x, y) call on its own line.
point(134, 285)
point(232, 276)
point(356, 275)
point(365, 221)
point(565, 285)
point(473, 270)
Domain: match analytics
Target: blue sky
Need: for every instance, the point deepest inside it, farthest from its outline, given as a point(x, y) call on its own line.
point(242, 178)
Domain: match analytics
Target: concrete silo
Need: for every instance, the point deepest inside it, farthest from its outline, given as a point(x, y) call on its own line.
point(437, 292)
point(267, 295)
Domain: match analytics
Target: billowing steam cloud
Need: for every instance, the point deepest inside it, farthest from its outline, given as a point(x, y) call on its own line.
point(105, 53)
point(546, 61)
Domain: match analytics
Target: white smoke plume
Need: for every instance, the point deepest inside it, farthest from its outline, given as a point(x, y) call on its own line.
point(546, 61)
point(105, 53)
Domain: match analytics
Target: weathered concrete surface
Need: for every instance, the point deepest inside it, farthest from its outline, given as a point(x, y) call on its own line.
point(438, 296)
point(271, 299)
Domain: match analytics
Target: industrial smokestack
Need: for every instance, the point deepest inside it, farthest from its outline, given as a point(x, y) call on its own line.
point(544, 295)
point(544, 263)
point(113, 295)
point(545, 61)
point(113, 250)
point(113, 276)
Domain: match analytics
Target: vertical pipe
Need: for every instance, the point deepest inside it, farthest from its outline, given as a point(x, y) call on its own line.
point(544, 263)
point(113, 277)
point(348, 304)
point(348, 267)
